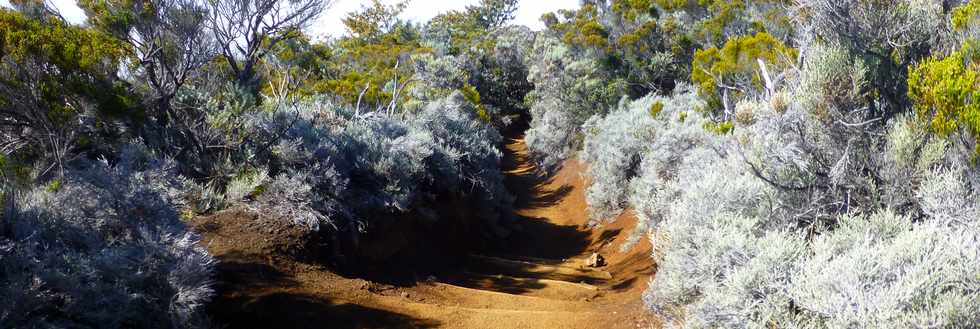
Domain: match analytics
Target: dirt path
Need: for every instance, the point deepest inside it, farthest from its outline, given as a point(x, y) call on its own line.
point(537, 281)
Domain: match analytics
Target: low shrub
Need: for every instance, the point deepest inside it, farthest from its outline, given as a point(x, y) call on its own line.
point(105, 249)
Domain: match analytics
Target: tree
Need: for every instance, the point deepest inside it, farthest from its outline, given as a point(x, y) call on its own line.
point(374, 21)
point(56, 83)
point(492, 13)
point(248, 30)
point(36, 9)
point(167, 40)
point(372, 67)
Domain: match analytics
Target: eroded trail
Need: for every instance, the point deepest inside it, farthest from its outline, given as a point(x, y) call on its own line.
point(538, 280)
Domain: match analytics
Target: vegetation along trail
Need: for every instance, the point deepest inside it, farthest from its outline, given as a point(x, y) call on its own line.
point(195, 164)
point(539, 280)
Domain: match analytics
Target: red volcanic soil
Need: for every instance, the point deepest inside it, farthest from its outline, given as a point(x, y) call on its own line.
point(537, 279)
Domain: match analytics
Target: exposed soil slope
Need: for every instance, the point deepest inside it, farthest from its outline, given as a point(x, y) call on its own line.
point(536, 280)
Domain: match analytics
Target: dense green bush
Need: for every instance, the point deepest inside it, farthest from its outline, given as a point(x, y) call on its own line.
point(946, 93)
point(58, 92)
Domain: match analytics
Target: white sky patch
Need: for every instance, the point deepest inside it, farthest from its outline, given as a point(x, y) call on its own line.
point(329, 24)
point(68, 9)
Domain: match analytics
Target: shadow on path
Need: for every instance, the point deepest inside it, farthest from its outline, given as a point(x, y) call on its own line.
point(253, 294)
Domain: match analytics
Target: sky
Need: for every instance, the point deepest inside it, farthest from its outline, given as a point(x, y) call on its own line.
point(329, 24)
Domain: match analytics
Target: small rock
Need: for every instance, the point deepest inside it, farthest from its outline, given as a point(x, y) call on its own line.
point(405, 295)
point(596, 260)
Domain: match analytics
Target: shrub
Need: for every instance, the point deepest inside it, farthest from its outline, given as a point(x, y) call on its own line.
point(615, 145)
point(947, 198)
point(726, 273)
point(501, 72)
point(810, 183)
point(290, 197)
point(833, 83)
point(884, 270)
point(963, 15)
point(567, 92)
point(248, 184)
point(726, 74)
point(553, 135)
point(438, 77)
point(58, 91)
point(612, 149)
point(106, 249)
point(887, 36)
point(946, 93)
point(752, 259)
point(820, 149)
point(724, 265)
point(335, 170)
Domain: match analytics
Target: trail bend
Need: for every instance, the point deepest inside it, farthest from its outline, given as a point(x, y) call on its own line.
point(538, 280)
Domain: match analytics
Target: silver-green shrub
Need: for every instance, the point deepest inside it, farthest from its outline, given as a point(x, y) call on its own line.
point(334, 168)
point(616, 146)
point(567, 92)
point(883, 270)
point(814, 212)
point(104, 247)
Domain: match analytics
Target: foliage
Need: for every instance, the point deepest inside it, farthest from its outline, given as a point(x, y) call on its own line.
point(649, 46)
point(500, 73)
point(840, 180)
point(886, 36)
point(712, 22)
point(760, 255)
point(899, 273)
point(329, 169)
point(963, 15)
point(246, 31)
point(456, 31)
point(298, 67)
point(371, 65)
point(473, 96)
point(811, 177)
point(490, 55)
point(734, 69)
point(106, 249)
point(837, 82)
point(613, 155)
point(165, 40)
point(56, 84)
point(627, 38)
point(567, 91)
point(946, 93)
point(615, 145)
